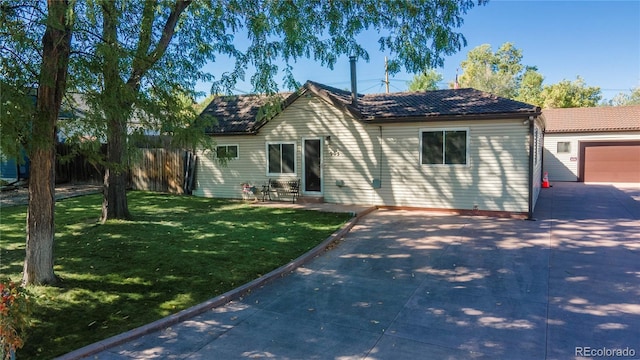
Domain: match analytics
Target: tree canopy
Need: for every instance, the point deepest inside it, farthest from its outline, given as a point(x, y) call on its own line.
point(568, 94)
point(498, 73)
point(427, 80)
point(503, 74)
point(623, 99)
point(136, 61)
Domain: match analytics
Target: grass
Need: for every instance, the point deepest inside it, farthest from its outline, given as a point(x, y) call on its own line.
point(177, 252)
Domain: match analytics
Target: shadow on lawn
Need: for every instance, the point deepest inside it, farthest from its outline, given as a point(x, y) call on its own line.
point(176, 252)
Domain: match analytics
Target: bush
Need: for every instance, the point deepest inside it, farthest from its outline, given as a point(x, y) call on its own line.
point(14, 317)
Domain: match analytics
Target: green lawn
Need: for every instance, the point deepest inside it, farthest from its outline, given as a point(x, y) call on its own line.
point(177, 252)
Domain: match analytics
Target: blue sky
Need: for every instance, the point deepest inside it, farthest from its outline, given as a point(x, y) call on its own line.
point(597, 40)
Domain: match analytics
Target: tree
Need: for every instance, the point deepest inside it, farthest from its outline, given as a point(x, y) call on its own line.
point(39, 134)
point(530, 89)
point(502, 74)
point(622, 99)
point(425, 81)
point(135, 60)
point(200, 106)
point(143, 66)
point(569, 94)
point(498, 73)
point(19, 72)
point(119, 94)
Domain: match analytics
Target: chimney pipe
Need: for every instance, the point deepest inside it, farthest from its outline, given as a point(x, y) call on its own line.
point(354, 82)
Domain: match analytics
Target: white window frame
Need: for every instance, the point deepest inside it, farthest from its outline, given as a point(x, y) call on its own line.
point(467, 138)
point(295, 158)
point(227, 151)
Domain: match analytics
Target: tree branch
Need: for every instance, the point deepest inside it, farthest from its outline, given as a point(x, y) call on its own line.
point(26, 64)
point(147, 61)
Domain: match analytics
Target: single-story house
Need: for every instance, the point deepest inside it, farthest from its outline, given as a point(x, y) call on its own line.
point(596, 144)
point(462, 150)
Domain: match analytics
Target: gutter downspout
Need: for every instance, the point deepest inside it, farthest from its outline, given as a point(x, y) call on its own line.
point(532, 121)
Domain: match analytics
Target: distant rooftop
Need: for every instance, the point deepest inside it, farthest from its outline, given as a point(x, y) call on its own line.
point(593, 119)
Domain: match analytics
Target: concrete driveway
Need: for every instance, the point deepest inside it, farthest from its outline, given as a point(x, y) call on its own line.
point(418, 285)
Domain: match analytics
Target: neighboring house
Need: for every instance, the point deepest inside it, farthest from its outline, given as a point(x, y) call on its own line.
point(461, 149)
point(13, 170)
point(595, 144)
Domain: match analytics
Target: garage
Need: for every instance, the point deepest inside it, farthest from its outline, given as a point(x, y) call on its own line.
point(593, 144)
point(613, 161)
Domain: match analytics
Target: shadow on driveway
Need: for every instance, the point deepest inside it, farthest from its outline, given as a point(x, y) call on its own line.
point(594, 284)
point(412, 284)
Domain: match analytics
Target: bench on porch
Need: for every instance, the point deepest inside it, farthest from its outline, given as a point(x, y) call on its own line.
point(282, 188)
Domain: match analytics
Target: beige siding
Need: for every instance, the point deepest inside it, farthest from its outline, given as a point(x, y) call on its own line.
point(496, 177)
point(564, 166)
point(225, 181)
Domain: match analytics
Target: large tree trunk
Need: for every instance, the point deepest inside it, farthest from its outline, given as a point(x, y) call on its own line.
point(56, 42)
point(114, 200)
point(114, 99)
point(38, 263)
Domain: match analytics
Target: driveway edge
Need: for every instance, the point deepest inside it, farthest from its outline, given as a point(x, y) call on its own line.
point(218, 300)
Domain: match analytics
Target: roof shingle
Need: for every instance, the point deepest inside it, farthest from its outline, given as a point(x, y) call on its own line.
point(237, 114)
point(592, 119)
point(459, 102)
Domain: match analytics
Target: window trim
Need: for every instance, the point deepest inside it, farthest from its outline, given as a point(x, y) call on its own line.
point(227, 146)
point(441, 129)
point(295, 158)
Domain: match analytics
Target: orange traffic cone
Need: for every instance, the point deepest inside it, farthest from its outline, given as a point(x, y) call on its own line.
point(545, 181)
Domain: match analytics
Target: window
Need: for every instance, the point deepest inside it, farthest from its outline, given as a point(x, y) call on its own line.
point(281, 158)
point(444, 147)
point(564, 147)
point(227, 152)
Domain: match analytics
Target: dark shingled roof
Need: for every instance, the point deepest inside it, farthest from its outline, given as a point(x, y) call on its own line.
point(237, 114)
point(438, 103)
point(593, 119)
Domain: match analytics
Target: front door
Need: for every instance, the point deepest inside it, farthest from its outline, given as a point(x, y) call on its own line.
point(312, 166)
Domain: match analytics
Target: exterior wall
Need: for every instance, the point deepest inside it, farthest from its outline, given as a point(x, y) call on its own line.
point(225, 181)
point(565, 166)
point(308, 117)
point(496, 177)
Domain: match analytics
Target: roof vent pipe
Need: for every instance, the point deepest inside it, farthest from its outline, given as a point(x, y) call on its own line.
point(354, 82)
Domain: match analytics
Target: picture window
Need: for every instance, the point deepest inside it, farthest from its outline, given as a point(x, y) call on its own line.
point(281, 158)
point(444, 147)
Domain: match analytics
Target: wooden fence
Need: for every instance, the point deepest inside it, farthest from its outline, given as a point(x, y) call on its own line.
point(76, 168)
point(163, 170)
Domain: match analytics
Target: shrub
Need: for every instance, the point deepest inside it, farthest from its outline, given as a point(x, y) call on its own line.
point(14, 317)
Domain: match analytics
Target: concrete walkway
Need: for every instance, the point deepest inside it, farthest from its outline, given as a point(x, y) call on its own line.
point(409, 284)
